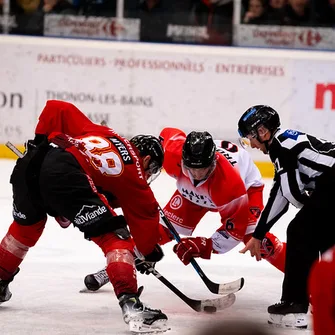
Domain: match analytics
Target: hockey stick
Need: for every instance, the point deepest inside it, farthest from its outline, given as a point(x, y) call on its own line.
point(224, 288)
point(14, 149)
point(205, 305)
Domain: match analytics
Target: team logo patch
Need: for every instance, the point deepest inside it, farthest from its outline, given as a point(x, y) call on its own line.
point(293, 134)
point(123, 151)
point(255, 211)
point(176, 202)
point(89, 214)
point(18, 214)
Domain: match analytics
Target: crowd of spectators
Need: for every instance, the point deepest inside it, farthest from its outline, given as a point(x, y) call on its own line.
point(156, 15)
point(310, 13)
point(177, 20)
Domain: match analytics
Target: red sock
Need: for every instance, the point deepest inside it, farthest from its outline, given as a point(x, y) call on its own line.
point(121, 271)
point(15, 245)
point(123, 278)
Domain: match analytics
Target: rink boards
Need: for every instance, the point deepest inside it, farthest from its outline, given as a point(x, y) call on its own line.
point(141, 88)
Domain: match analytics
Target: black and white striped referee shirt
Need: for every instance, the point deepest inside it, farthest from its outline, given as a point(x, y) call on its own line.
point(299, 159)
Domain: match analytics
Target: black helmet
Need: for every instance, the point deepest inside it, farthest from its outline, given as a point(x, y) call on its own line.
point(257, 116)
point(150, 145)
point(198, 150)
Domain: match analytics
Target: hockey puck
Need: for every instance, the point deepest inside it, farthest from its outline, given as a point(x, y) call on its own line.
point(209, 309)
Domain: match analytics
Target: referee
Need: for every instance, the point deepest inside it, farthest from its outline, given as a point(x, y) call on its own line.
point(305, 177)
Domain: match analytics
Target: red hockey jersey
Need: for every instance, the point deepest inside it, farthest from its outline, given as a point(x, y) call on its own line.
point(111, 161)
point(223, 191)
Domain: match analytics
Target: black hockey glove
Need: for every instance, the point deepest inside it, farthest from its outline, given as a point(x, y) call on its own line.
point(116, 225)
point(147, 264)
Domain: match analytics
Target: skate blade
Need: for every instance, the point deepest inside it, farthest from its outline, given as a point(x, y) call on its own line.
point(293, 321)
point(1, 302)
point(137, 326)
point(7, 297)
point(86, 290)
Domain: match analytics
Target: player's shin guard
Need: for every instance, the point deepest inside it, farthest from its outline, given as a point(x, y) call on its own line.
point(121, 271)
point(15, 245)
point(274, 251)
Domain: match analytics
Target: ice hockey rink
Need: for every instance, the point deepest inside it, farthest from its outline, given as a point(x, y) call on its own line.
point(46, 298)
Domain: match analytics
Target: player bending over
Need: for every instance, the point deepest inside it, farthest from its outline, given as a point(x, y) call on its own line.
point(66, 172)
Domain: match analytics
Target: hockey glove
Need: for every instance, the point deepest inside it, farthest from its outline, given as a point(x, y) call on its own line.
point(144, 265)
point(193, 247)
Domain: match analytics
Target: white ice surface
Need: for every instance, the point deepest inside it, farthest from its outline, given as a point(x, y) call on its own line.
point(46, 298)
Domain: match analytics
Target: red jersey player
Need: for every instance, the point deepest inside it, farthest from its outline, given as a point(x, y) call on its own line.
point(225, 181)
point(68, 171)
point(322, 292)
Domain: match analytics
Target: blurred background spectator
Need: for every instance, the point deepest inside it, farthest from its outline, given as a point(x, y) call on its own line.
point(59, 7)
point(276, 10)
point(326, 10)
point(155, 16)
point(299, 13)
point(256, 13)
point(289, 12)
point(29, 14)
point(217, 17)
point(96, 7)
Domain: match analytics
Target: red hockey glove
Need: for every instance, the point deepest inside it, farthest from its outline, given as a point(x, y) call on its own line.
point(193, 247)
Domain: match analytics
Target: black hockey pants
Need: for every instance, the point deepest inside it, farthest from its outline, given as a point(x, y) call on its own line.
point(310, 233)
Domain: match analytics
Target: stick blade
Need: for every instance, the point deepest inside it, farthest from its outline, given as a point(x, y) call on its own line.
point(218, 303)
point(231, 287)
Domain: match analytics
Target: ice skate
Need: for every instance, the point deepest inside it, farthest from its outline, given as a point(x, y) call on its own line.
point(96, 280)
point(5, 294)
point(288, 315)
point(141, 318)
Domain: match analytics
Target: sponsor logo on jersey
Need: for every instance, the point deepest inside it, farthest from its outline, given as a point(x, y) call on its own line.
point(176, 202)
point(293, 134)
point(255, 211)
point(18, 214)
point(199, 199)
point(173, 217)
point(137, 160)
point(89, 214)
point(123, 151)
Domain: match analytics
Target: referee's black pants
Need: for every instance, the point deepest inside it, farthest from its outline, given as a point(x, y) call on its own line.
point(310, 233)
